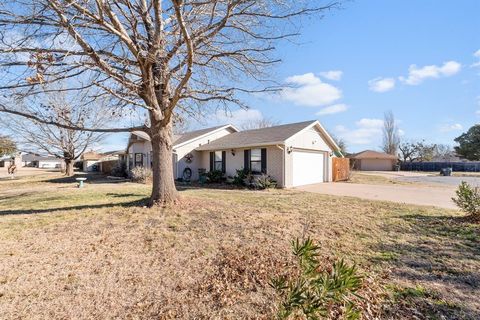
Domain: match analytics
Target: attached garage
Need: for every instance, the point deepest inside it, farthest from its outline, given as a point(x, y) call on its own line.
point(373, 161)
point(308, 167)
point(293, 154)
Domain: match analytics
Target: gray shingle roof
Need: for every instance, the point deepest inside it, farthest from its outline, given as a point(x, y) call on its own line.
point(34, 157)
point(182, 138)
point(256, 137)
point(187, 136)
point(370, 154)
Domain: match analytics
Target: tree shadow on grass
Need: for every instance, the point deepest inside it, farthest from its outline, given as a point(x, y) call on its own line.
point(93, 178)
point(135, 203)
point(440, 255)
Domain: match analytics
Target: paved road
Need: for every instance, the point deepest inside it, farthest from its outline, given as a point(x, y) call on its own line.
point(450, 181)
point(417, 195)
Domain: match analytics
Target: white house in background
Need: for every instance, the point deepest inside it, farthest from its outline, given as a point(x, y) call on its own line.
point(42, 162)
point(293, 154)
point(90, 161)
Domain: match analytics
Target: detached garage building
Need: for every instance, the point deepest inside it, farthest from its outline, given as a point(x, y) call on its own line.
point(369, 160)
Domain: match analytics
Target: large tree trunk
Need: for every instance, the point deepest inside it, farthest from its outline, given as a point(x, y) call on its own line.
point(163, 191)
point(69, 167)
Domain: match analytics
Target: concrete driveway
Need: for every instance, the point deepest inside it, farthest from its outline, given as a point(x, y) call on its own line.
point(414, 194)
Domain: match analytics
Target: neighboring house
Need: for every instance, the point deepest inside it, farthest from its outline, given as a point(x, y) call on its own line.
point(6, 161)
point(90, 161)
point(110, 160)
point(293, 154)
point(42, 162)
point(370, 160)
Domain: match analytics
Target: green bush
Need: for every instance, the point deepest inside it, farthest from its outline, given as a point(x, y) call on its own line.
point(215, 176)
point(315, 293)
point(264, 181)
point(240, 177)
point(468, 199)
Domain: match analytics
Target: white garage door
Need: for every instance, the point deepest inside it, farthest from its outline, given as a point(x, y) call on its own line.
point(308, 167)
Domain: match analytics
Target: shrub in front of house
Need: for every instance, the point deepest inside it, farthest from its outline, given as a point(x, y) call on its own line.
point(315, 292)
point(241, 178)
point(141, 175)
point(119, 170)
point(215, 176)
point(264, 181)
point(468, 200)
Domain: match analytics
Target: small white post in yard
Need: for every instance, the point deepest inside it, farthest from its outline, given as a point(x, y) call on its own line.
point(80, 181)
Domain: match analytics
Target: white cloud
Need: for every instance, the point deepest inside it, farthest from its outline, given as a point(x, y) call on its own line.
point(309, 90)
point(335, 75)
point(418, 75)
point(477, 55)
point(451, 127)
point(381, 84)
point(366, 131)
point(401, 132)
point(336, 108)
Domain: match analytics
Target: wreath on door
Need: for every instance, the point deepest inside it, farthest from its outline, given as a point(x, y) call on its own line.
point(188, 158)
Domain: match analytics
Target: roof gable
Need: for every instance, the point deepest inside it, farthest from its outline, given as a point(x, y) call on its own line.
point(370, 154)
point(258, 137)
point(182, 139)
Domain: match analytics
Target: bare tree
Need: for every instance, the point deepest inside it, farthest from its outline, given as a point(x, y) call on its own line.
point(7, 146)
point(66, 144)
point(258, 124)
point(391, 139)
point(341, 143)
point(416, 151)
point(150, 57)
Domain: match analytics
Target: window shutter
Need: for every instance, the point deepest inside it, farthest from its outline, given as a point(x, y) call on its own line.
point(246, 159)
point(224, 156)
point(212, 158)
point(264, 160)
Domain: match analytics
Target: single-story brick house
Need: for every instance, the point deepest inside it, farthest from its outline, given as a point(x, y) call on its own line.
point(293, 154)
point(370, 160)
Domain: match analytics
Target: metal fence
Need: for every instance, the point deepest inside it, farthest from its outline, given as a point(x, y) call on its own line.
point(437, 166)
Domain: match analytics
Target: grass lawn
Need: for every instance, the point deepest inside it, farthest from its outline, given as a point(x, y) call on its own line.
point(97, 253)
point(366, 178)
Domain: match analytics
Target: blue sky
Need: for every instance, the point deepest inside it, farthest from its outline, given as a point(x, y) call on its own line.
point(415, 58)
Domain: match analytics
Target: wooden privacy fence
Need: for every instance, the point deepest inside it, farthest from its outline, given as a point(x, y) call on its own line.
point(341, 169)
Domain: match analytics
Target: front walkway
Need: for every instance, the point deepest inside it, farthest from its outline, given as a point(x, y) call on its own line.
point(415, 194)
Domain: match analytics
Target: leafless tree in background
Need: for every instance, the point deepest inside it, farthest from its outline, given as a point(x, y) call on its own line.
point(151, 58)
point(391, 139)
point(66, 144)
point(258, 124)
point(7, 146)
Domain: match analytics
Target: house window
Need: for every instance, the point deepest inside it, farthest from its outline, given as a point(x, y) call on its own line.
point(217, 161)
point(138, 159)
point(256, 160)
point(217, 164)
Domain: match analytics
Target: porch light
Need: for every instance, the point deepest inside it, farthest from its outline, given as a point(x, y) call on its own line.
point(233, 152)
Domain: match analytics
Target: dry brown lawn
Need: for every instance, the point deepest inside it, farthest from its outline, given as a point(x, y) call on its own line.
point(97, 253)
point(368, 178)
